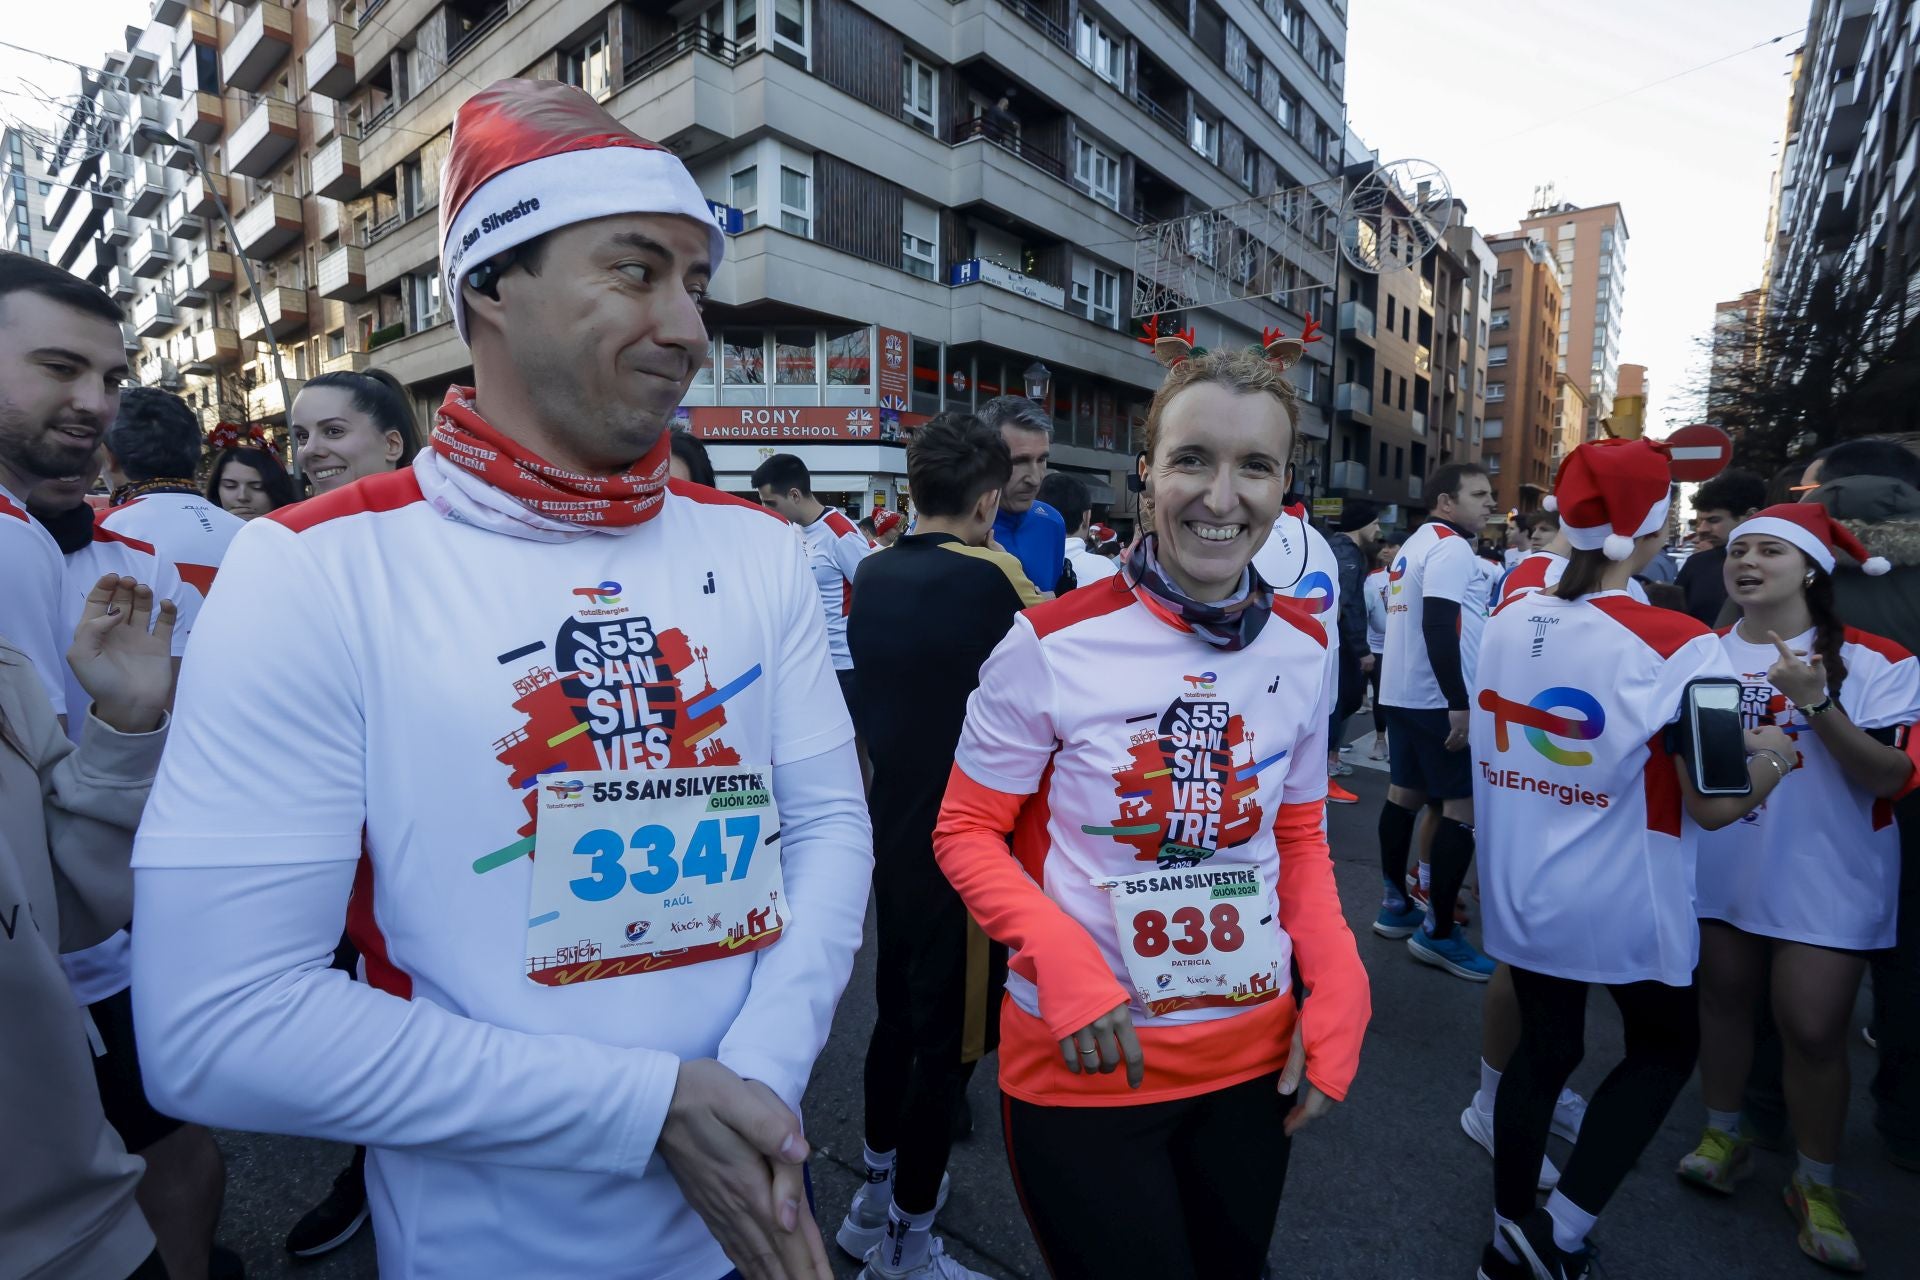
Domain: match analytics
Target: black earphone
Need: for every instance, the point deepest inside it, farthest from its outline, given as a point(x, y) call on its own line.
point(485, 278)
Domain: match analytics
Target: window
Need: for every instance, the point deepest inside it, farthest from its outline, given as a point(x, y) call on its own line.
point(744, 195)
point(1496, 391)
point(796, 201)
point(920, 241)
point(46, 188)
point(1497, 355)
point(1289, 22)
point(1097, 171)
point(1203, 135)
point(1492, 461)
point(1503, 279)
point(920, 94)
point(1382, 468)
point(414, 184)
point(423, 301)
point(1249, 167)
point(743, 358)
point(790, 30)
point(849, 357)
point(1093, 45)
point(336, 343)
point(1499, 318)
point(1285, 110)
point(1390, 311)
point(1095, 293)
point(1399, 462)
point(589, 67)
point(793, 358)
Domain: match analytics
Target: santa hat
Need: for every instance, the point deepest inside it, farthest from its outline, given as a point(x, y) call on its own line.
point(884, 522)
point(1102, 534)
point(532, 156)
point(1610, 492)
point(1809, 526)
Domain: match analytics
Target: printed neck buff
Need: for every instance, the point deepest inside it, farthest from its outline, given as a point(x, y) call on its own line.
point(1228, 624)
point(556, 495)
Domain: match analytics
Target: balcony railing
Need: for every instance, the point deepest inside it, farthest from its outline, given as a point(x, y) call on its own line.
point(212, 347)
point(979, 127)
point(1042, 21)
point(379, 117)
point(154, 315)
point(257, 47)
point(1416, 489)
point(1161, 115)
point(1356, 317)
point(476, 33)
point(682, 42)
point(1423, 360)
point(1419, 423)
point(1351, 397)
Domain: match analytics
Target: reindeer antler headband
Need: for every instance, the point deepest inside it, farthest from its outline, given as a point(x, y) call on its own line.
point(1171, 348)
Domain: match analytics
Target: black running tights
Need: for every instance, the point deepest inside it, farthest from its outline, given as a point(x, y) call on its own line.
point(1663, 1038)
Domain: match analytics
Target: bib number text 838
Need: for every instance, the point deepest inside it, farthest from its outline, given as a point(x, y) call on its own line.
point(1187, 932)
point(705, 857)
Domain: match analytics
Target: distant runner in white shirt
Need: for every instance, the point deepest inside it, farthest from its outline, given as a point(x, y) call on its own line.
point(153, 451)
point(1376, 592)
point(1067, 494)
point(1587, 830)
point(1541, 568)
point(559, 740)
point(1805, 886)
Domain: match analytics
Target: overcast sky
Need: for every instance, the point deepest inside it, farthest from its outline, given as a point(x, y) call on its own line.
point(1505, 95)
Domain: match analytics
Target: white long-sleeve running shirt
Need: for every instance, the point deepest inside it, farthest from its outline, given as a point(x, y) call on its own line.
point(373, 697)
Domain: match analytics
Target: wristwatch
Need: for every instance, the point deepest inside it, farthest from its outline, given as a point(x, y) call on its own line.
point(1819, 708)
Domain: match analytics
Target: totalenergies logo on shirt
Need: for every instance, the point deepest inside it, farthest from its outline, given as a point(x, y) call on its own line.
point(604, 594)
point(1544, 719)
point(1316, 590)
point(1396, 573)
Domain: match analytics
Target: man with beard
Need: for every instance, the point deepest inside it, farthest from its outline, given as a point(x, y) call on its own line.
point(61, 367)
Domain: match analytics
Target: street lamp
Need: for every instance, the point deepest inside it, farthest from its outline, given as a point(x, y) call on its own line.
point(1313, 482)
point(193, 152)
point(1039, 381)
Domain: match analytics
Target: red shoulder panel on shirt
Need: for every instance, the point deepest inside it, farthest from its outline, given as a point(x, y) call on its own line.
point(388, 491)
point(1301, 615)
point(1298, 510)
point(713, 497)
point(1664, 631)
point(8, 507)
point(841, 526)
point(1092, 601)
point(103, 534)
point(1439, 530)
point(1891, 650)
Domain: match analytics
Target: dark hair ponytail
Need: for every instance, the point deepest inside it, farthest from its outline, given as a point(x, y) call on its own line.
point(379, 395)
point(1829, 633)
point(1583, 573)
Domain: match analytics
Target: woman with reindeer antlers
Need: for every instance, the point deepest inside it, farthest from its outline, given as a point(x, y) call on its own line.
point(1169, 871)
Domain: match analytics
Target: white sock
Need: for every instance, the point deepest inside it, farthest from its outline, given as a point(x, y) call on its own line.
point(879, 1163)
point(1489, 1085)
point(909, 1239)
point(1501, 1245)
point(1724, 1121)
point(1426, 876)
point(1821, 1175)
point(1571, 1223)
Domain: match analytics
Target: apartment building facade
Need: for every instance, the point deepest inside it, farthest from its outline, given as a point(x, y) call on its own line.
point(1589, 246)
point(1524, 390)
point(899, 242)
point(24, 188)
point(1410, 371)
point(1629, 420)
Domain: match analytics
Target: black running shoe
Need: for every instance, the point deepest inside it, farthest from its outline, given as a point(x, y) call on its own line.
point(332, 1222)
point(1495, 1267)
point(1532, 1239)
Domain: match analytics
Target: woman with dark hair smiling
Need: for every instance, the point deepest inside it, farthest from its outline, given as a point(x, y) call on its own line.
point(347, 426)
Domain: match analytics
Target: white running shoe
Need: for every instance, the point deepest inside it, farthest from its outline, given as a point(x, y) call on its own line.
point(1479, 1126)
point(937, 1266)
point(866, 1220)
point(1568, 1114)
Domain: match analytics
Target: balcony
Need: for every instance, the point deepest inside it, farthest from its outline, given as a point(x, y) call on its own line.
point(155, 316)
point(96, 261)
point(347, 362)
point(265, 402)
point(199, 28)
point(686, 40)
point(1426, 295)
point(1351, 397)
point(117, 229)
point(980, 128)
point(167, 12)
point(459, 43)
point(1348, 477)
point(285, 314)
point(210, 272)
point(196, 195)
point(152, 253)
point(258, 46)
point(336, 169)
point(213, 347)
point(342, 274)
point(186, 224)
point(264, 138)
point(147, 191)
point(1416, 489)
point(128, 338)
point(1356, 319)
point(200, 117)
point(1831, 212)
point(1419, 423)
point(330, 62)
point(149, 120)
point(121, 284)
point(397, 247)
point(270, 225)
point(1423, 360)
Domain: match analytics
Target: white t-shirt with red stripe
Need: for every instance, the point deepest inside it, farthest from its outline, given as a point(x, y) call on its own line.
point(835, 548)
point(189, 532)
point(1819, 862)
point(1435, 561)
point(1586, 855)
point(1541, 571)
point(1297, 561)
point(32, 585)
point(378, 686)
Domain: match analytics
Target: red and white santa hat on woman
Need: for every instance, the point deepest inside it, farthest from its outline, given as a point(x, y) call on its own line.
point(1611, 492)
point(532, 156)
point(1809, 526)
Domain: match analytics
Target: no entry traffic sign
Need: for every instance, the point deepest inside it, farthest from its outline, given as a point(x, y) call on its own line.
point(1699, 452)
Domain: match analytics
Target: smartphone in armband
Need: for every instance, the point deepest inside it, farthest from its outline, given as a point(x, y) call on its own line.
point(1710, 738)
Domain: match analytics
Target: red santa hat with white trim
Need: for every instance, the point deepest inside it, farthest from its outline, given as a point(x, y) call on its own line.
point(532, 156)
point(1611, 492)
point(1811, 528)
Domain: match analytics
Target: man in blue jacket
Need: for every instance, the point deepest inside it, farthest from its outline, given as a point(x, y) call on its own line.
point(1030, 530)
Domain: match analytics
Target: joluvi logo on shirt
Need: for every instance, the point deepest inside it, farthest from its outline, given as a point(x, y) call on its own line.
point(1546, 717)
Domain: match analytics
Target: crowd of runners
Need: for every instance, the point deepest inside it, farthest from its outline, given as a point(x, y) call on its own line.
point(512, 806)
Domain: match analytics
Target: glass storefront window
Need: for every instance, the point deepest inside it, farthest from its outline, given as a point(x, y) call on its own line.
point(745, 357)
point(793, 357)
point(849, 358)
point(703, 376)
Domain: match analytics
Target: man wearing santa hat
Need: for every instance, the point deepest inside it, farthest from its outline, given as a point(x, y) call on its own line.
point(560, 742)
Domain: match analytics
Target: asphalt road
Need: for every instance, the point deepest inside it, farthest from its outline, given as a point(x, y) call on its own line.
point(1385, 1186)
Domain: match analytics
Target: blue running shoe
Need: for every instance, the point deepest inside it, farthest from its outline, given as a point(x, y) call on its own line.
point(1452, 953)
point(1398, 922)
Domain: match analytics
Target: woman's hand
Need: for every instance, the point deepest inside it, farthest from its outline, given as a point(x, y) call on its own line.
point(1804, 683)
point(1103, 1044)
point(1773, 738)
point(1311, 1103)
point(124, 667)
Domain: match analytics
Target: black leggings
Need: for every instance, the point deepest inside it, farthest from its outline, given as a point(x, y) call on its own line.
point(1373, 683)
point(1663, 1038)
point(1181, 1190)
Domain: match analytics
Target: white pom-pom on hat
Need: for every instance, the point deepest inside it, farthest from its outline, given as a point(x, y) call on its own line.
point(1549, 503)
point(1874, 566)
point(1618, 546)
